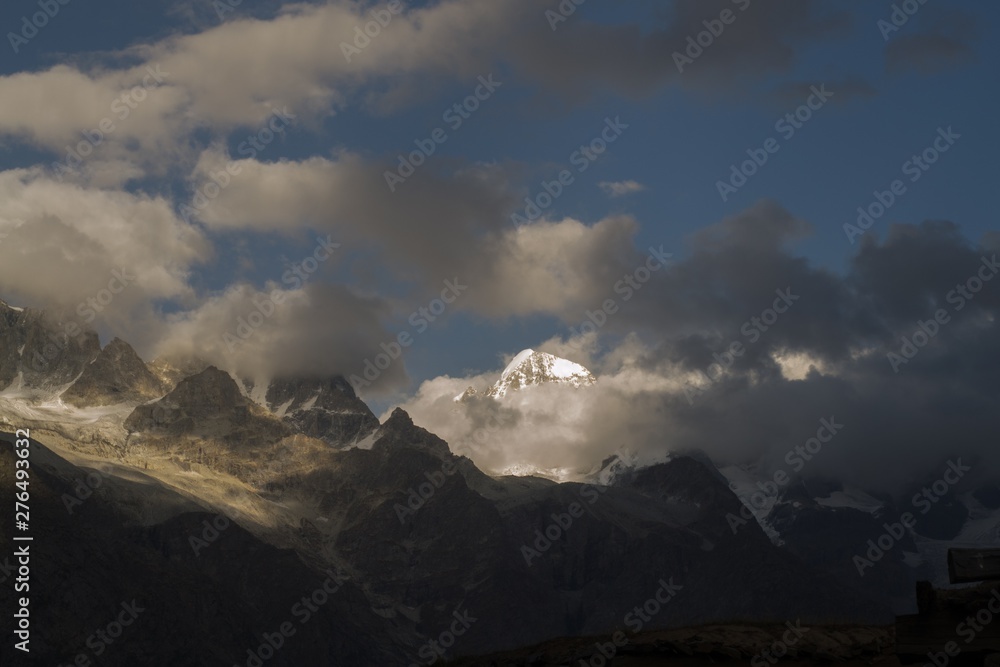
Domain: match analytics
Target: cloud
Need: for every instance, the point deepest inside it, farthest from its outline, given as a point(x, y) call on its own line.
point(231, 75)
point(825, 358)
point(110, 114)
point(315, 330)
point(63, 241)
point(794, 93)
point(434, 227)
point(621, 188)
point(949, 43)
point(927, 53)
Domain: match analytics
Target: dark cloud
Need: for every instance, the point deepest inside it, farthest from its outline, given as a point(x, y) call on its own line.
point(927, 53)
point(762, 40)
point(825, 358)
point(316, 329)
point(792, 94)
point(948, 43)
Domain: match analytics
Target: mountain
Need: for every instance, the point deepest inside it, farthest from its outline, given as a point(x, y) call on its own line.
point(208, 407)
point(324, 408)
point(170, 370)
point(117, 375)
point(39, 351)
point(308, 482)
point(422, 536)
point(529, 368)
point(192, 587)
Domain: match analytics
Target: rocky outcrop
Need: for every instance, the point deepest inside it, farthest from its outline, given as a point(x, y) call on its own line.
point(426, 530)
point(40, 351)
point(195, 588)
point(325, 408)
point(170, 371)
point(211, 407)
point(117, 375)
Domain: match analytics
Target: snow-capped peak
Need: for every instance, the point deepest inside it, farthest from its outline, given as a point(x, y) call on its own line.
point(529, 368)
point(518, 359)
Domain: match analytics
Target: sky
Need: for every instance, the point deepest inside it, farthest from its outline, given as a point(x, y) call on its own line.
point(240, 185)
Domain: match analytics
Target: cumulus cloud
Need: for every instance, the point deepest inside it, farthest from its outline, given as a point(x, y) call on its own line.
point(621, 188)
point(105, 114)
point(63, 241)
point(232, 75)
point(658, 391)
point(62, 237)
point(314, 330)
point(436, 227)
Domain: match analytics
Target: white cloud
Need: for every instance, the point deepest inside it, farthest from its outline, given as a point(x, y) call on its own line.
point(436, 223)
point(64, 240)
point(311, 330)
point(621, 188)
point(550, 426)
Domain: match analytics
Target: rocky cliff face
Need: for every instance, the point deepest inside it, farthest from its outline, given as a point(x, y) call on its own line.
point(37, 351)
point(117, 375)
point(428, 532)
point(422, 533)
point(170, 371)
point(202, 590)
point(323, 408)
point(211, 407)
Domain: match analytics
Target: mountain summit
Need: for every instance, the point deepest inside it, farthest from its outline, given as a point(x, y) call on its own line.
point(530, 368)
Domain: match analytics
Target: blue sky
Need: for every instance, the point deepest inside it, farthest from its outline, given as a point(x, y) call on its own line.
point(684, 133)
